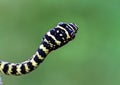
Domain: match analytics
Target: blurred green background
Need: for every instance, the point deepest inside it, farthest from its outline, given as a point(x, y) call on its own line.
point(93, 58)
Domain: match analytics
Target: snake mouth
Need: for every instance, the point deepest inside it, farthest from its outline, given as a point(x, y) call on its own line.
point(73, 29)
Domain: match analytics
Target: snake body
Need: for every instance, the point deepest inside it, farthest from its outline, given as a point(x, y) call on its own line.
point(52, 40)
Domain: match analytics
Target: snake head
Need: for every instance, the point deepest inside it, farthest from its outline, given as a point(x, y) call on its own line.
point(70, 28)
point(60, 35)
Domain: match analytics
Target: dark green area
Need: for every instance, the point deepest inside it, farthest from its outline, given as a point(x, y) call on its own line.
point(93, 58)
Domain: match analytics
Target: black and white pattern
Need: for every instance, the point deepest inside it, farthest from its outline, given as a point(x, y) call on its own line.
point(52, 40)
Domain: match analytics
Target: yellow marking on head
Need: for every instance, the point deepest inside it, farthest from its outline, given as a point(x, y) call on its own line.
point(57, 42)
point(63, 38)
point(61, 34)
point(51, 45)
point(57, 31)
point(68, 36)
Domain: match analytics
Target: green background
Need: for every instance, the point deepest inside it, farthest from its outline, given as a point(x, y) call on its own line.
point(93, 58)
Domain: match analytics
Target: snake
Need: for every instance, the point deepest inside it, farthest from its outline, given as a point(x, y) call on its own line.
point(55, 38)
